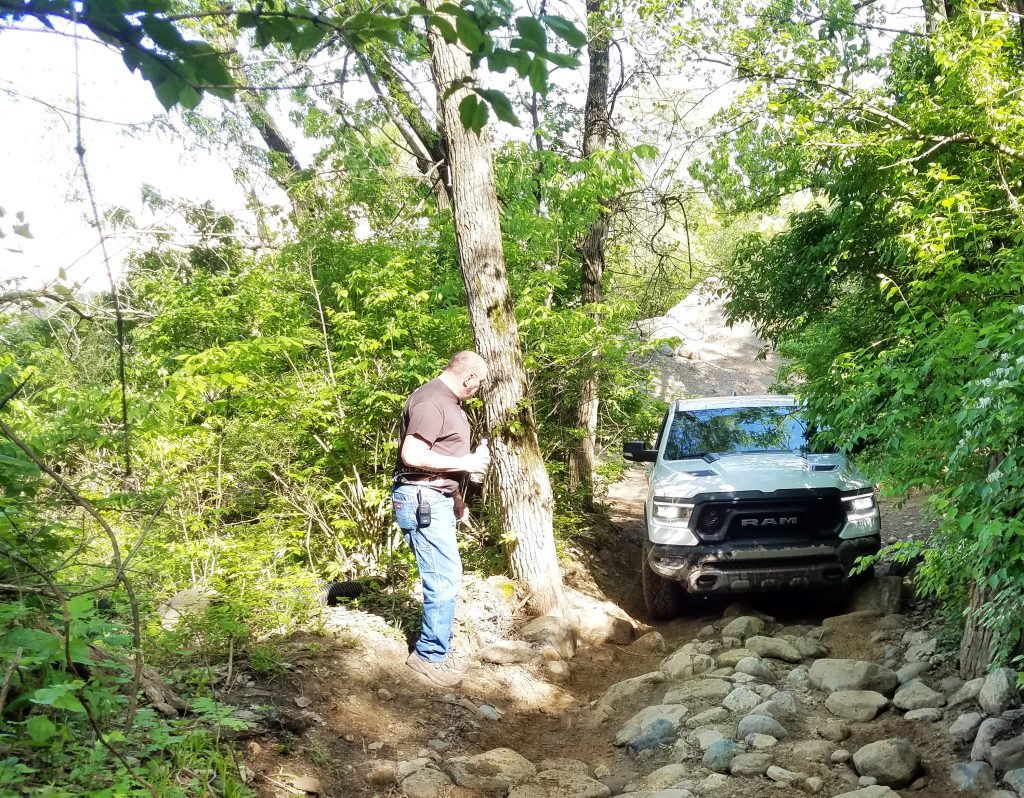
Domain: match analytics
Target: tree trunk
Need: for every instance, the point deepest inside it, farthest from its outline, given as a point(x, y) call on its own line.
point(582, 458)
point(524, 491)
point(975, 647)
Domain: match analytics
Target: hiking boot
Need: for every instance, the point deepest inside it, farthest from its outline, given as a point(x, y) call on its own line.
point(458, 661)
point(440, 673)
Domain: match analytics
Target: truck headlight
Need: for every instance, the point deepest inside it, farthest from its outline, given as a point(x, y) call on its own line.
point(860, 507)
point(672, 511)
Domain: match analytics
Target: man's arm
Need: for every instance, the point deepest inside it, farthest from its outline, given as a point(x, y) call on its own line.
point(416, 453)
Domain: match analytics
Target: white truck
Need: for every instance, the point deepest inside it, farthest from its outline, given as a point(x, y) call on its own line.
point(740, 501)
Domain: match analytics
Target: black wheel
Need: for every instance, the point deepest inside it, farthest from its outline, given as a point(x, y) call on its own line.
point(663, 597)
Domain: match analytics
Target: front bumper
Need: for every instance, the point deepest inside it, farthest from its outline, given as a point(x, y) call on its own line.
point(725, 568)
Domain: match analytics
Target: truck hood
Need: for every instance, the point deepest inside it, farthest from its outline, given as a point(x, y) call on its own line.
point(765, 472)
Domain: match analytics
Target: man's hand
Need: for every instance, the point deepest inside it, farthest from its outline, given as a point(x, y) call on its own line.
point(476, 462)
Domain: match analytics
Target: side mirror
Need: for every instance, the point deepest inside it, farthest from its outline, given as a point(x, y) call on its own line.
point(637, 452)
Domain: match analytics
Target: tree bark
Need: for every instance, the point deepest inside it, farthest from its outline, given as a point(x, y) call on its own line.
point(523, 488)
point(976, 645)
point(582, 458)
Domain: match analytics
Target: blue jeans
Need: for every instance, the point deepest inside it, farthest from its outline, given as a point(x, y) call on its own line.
point(437, 556)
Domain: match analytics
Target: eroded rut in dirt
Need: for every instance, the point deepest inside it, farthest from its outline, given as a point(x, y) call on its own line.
point(774, 697)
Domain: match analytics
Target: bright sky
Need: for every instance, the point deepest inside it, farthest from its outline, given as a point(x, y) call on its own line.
point(39, 171)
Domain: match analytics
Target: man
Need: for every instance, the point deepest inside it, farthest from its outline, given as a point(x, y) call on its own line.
point(433, 455)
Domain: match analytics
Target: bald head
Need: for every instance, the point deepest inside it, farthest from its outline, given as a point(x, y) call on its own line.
point(465, 373)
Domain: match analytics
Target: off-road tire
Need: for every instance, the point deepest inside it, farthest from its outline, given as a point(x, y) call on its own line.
point(662, 597)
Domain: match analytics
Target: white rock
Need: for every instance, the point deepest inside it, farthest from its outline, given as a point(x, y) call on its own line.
point(894, 762)
point(965, 727)
point(646, 717)
point(426, 783)
point(925, 715)
point(686, 663)
point(849, 674)
point(743, 627)
point(560, 784)
point(626, 690)
point(730, 658)
point(999, 692)
point(554, 630)
point(754, 666)
point(698, 690)
point(915, 694)
point(857, 705)
point(774, 647)
point(497, 770)
point(741, 699)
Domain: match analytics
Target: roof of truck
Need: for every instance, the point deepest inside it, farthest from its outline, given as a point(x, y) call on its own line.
point(718, 402)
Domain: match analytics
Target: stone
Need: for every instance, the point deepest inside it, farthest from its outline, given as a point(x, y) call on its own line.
point(922, 649)
point(950, 684)
point(840, 756)
point(704, 737)
point(1014, 779)
point(381, 772)
point(743, 627)
point(708, 716)
point(924, 715)
point(560, 784)
point(775, 773)
point(894, 762)
point(707, 633)
point(1008, 754)
point(720, 754)
point(563, 763)
point(965, 727)
point(488, 712)
point(743, 679)
point(760, 742)
point(497, 770)
point(870, 792)
point(857, 705)
point(650, 643)
point(597, 626)
point(742, 699)
point(188, 602)
point(627, 690)
point(867, 781)
point(426, 783)
point(661, 732)
point(554, 631)
point(798, 677)
point(834, 731)
point(912, 670)
point(967, 694)
point(838, 621)
point(781, 705)
point(730, 658)
point(999, 691)
point(666, 776)
point(809, 648)
point(972, 776)
point(884, 594)
point(698, 690)
point(410, 766)
point(686, 663)
point(714, 785)
point(509, 652)
point(646, 717)
point(989, 732)
point(773, 647)
point(812, 751)
point(761, 724)
point(814, 785)
point(749, 765)
point(849, 674)
point(915, 694)
point(754, 666)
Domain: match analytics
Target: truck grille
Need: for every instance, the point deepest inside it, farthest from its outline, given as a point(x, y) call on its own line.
point(796, 517)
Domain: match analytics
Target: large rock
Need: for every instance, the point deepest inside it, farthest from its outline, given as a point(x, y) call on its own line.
point(1014, 779)
point(666, 776)
point(705, 736)
point(686, 663)
point(761, 724)
point(510, 652)
point(626, 690)
point(990, 731)
point(774, 647)
point(755, 666)
point(913, 670)
point(875, 791)
point(732, 657)
point(749, 765)
point(650, 643)
point(999, 691)
point(856, 705)
point(968, 693)
point(643, 720)
point(882, 594)
point(743, 627)
point(497, 770)
point(915, 694)
point(708, 716)
point(560, 784)
point(1009, 754)
point(426, 783)
point(742, 699)
point(597, 626)
point(851, 674)
point(809, 648)
point(893, 762)
point(554, 630)
point(965, 727)
point(699, 690)
point(720, 754)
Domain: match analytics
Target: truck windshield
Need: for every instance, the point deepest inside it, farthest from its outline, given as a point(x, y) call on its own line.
point(695, 433)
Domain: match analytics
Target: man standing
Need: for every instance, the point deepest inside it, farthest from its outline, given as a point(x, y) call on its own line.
point(433, 455)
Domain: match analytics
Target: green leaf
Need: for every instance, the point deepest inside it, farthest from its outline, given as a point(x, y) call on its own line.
point(40, 729)
point(539, 76)
point(536, 38)
point(469, 33)
point(565, 30)
point(59, 696)
point(473, 113)
point(562, 60)
point(501, 104)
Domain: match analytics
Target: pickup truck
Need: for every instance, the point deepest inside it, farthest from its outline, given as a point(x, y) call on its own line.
point(740, 500)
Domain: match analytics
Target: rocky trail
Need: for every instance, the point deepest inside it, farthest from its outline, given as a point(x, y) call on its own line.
point(783, 695)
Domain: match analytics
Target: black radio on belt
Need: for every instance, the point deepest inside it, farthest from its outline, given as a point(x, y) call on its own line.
point(422, 511)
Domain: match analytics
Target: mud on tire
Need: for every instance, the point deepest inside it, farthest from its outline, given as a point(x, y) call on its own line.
point(662, 597)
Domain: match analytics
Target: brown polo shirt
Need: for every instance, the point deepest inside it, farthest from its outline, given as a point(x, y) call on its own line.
point(434, 414)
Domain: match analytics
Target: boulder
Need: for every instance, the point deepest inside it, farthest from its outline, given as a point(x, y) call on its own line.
point(870, 792)
point(184, 603)
point(597, 626)
point(643, 720)
point(967, 694)
point(834, 730)
point(742, 699)
point(426, 783)
point(553, 630)
point(497, 770)
point(922, 649)
point(915, 694)
point(720, 754)
point(749, 765)
point(729, 659)
point(774, 647)
point(912, 670)
point(965, 727)
point(562, 763)
point(686, 663)
point(743, 627)
point(707, 717)
point(1014, 779)
point(925, 715)
point(761, 724)
point(999, 692)
point(665, 777)
point(1008, 754)
point(699, 690)
point(857, 705)
point(783, 776)
point(705, 736)
point(560, 784)
point(990, 731)
point(809, 648)
point(892, 762)
point(850, 674)
point(626, 690)
point(510, 652)
point(650, 643)
point(754, 666)
point(760, 742)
